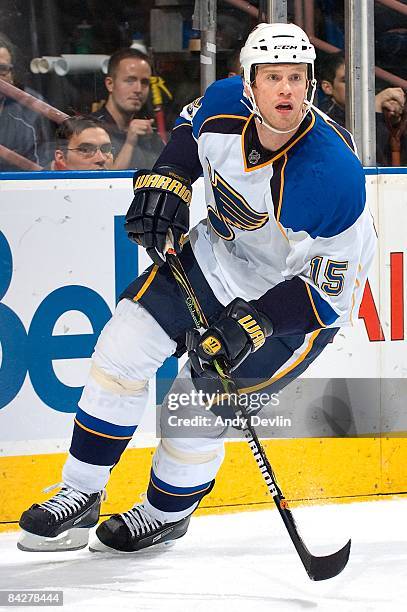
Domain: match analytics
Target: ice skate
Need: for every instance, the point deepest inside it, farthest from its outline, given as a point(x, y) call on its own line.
point(136, 530)
point(61, 523)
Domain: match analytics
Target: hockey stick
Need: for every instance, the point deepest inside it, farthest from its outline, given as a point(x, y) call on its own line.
point(317, 568)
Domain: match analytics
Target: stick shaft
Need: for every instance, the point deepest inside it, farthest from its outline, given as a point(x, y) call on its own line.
point(317, 568)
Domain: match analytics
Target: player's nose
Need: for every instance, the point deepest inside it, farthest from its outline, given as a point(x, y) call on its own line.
point(285, 86)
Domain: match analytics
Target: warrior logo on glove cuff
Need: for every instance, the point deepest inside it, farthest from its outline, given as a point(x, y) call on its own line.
point(254, 330)
point(211, 345)
point(164, 183)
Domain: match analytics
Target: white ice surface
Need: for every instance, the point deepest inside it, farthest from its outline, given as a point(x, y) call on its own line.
point(234, 563)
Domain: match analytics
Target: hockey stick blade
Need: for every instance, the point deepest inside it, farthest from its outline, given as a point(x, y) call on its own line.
point(322, 568)
point(317, 568)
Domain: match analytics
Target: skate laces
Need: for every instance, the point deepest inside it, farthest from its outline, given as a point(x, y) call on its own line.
point(67, 501)
point(139, 521)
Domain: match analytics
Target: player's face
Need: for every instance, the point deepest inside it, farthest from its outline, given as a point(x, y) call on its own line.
point(89, 150)
point(130, 85)
point(280, 90)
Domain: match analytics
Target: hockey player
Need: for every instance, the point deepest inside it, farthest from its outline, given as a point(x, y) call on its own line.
point(285, 248)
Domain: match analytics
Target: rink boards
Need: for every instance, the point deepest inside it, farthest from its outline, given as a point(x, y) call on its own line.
point(65, 259)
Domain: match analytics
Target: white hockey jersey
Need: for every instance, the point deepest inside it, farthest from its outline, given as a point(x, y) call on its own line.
point(289, 229)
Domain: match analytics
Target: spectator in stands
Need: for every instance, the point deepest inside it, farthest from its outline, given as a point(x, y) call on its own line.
point(16, 132)
point(125, 114)
point(6, 59)
point(82, 143)
point(233, 64)
point(391, 38)
point(330, 21)
point(390, 101)
point(332, 83)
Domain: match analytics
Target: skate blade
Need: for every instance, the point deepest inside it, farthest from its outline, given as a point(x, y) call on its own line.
point(96, 546)
point(72, 539)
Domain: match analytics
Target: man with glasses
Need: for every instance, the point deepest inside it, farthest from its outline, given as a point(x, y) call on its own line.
point(82, 143)
point(17, 130)
point(5, 66)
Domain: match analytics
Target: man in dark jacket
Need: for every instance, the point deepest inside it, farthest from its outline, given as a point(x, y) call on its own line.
point(390, 100)
point(17, 133)
point(132, 132)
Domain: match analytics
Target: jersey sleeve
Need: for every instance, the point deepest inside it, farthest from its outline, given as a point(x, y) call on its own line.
point(182, 149)
point(325, 280)
point(221, 98)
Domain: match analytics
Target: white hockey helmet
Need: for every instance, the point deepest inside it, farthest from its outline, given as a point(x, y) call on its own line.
point(277, 43)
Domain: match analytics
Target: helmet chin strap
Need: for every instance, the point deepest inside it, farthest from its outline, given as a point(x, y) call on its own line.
point(256, 111)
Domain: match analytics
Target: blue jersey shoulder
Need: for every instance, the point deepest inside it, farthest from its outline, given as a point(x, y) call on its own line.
point(221, 98)
point(324, 192)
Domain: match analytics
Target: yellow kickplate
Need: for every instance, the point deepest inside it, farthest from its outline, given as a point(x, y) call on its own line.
point(317, 470)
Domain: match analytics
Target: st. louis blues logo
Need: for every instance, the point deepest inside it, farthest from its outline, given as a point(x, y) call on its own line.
point(231, 209)
point(194, 106)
